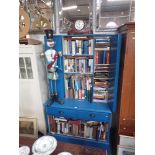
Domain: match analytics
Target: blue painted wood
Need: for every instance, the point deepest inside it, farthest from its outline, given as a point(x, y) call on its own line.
point(116, 50)
point(77, 73)
point(46, 119)
point(82, 109)
point(78, 55)
point(83, 105)
point(79, 115)
point(82, 141)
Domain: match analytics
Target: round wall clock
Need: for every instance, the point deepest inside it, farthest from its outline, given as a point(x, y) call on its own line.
point(79, 24)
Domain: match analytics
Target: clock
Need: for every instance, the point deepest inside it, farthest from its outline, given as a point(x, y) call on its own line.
point(79, 24)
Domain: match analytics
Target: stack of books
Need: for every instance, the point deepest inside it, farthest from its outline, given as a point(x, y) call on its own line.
point(104, 72)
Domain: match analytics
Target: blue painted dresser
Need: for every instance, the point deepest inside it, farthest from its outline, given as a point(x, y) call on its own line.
point(82, 109)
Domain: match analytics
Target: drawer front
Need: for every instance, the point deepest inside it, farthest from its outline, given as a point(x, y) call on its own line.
point(77, 114)
point(94, 116)
point(58, 112)
point(127, 126)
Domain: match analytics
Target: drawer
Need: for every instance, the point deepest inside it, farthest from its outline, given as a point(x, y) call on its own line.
point(79, 114)
point(60, 112)
point(94, 116)
point(127, 126)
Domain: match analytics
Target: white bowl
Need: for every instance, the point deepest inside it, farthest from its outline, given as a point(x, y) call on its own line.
point(24, 150)
point(45, 145)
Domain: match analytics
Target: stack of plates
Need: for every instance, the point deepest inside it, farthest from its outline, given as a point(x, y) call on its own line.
point(44, 145)
point(24, 150)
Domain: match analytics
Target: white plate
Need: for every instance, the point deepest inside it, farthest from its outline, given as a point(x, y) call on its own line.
point(64, 153)
point(45, 145)
point(24, 150)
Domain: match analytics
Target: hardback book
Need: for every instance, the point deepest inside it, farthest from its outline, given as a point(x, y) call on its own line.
point(73, 47)
point(85, 46)
point(91, 46)
point(65, 47)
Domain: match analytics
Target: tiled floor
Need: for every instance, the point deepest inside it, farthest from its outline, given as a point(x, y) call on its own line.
point(62, 147)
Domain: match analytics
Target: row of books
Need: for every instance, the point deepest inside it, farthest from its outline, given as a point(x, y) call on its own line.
point(85, 129)
point(82, 65)
point(102, 57)
point(78, 87)
point(78, 47)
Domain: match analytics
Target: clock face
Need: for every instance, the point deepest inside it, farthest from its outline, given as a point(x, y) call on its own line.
point(79, 24)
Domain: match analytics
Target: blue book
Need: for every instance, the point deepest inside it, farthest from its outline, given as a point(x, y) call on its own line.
point(85, 46)
point(70, 46)
point(100, 57)
point(104, 57)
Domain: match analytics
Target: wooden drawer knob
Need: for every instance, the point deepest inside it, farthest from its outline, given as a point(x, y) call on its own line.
point(92, 115)
point(61, 112)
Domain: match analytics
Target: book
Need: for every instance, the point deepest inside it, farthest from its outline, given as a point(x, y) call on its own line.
point(90, 64)
point(75, 130)
point(66, 128)
point(85, 46)
point(73, 47)
point(70, 46)
point(65, 51)
point(104, 57)
point(96, 57)
point(91, 47)
point(108, 57)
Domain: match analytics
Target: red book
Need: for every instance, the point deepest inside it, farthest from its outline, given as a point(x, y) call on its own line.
point(80, 94)
point(96, 58)
point(108, 57)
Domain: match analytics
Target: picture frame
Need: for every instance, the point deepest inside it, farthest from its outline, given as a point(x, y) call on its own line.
point(125, 150)
point(28, 127)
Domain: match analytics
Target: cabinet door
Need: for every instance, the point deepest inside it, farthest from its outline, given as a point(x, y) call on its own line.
point(27, 85)
point(127, 110)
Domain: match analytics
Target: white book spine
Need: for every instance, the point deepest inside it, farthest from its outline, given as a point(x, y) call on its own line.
point(85, 130)
point(73, 48)
point(90, 132)
point(80, 47)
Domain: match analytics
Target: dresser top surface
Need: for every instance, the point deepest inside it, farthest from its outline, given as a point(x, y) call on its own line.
point(82, 105)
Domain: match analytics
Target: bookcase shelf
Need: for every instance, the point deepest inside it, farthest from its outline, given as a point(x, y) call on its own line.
point(77, 73)
point(78, 55)
point(87, 85)
point(82, 141)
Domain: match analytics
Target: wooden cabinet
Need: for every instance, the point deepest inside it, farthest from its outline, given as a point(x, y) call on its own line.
point(126, 108)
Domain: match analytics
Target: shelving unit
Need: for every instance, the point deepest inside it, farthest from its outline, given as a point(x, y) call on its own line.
point(77, 85)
